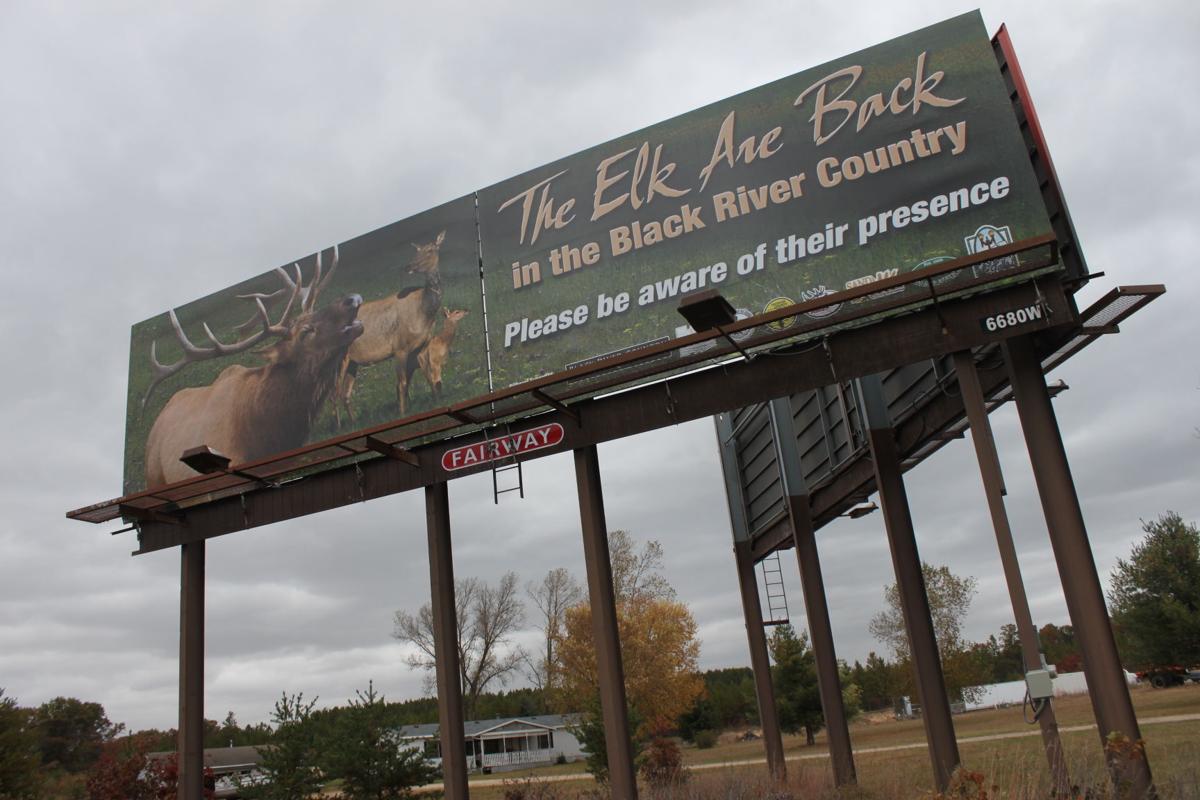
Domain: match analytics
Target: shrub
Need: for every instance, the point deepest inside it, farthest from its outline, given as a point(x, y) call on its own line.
point(530, 789)
point(706, 739)
point(662, 764)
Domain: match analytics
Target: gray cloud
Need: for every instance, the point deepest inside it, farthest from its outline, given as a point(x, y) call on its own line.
point(152, 155)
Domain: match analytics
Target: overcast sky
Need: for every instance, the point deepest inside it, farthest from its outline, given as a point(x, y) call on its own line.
point(150, 155)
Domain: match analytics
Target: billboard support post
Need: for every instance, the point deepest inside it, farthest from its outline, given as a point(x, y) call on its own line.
point(812, 584)
point(760, 664)
point(190, 739)
point(445, 641)
point(993, 486)
point(1077, 569)
point(756, 637)
point(610, 672)
point(816, 611)
point(914, 603)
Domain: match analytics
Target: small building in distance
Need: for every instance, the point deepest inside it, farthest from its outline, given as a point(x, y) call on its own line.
point(504, 743)
point(231, 768)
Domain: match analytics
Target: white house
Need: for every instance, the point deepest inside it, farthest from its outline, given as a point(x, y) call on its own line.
point(505, 743)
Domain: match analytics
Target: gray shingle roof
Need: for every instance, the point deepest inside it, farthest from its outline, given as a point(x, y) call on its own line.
point(475, 727)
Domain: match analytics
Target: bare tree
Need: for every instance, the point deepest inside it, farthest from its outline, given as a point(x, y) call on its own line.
point(949, 598)
point(486, 617)
point(636, 574)
point(557, 592)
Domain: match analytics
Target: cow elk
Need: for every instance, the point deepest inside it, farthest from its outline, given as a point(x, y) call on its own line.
point(433, 358)
point(397, 327)
point(248, 413)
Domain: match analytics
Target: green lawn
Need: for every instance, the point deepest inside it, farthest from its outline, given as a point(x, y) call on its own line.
point(1016, 765)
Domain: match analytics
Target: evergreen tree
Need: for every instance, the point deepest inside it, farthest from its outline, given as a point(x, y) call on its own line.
point(289, 762)
point(796, 692)
point(1155, 596)
point(365, 752)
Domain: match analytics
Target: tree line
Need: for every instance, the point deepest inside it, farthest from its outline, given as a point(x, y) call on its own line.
point(68, 747)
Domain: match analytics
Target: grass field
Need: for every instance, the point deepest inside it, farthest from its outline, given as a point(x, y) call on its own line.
point(1011, 767)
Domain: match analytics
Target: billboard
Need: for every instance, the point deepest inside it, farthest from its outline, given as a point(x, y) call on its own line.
point(376, 328)
point(876, 165)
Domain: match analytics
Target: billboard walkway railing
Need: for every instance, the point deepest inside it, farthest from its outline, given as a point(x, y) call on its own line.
point(530, 397)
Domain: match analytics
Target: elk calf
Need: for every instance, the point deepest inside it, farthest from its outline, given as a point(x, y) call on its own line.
point(396, 327)
point(433, 358)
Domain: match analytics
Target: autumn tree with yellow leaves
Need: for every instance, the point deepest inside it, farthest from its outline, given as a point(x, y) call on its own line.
point(659, 648)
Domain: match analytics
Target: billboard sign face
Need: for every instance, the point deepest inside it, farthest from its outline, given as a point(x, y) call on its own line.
point(864, 168)
point(883, 163)
point(396, 328)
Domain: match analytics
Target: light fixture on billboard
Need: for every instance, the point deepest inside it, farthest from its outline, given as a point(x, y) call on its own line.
point(205, 460)
point(861, 510)
point(708, 310)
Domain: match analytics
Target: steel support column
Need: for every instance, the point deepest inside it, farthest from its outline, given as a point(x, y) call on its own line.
point(445, 642)
point(812, 584)
point(914, 603)
point(756, 637)
point(611, 674)
point(190, 739)
point(760, 662)
point(816, 611)
point(993, 488)
point(1077, 569)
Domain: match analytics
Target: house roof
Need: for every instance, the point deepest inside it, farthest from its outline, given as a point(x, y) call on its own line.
point(221, 757)
point(478, 727)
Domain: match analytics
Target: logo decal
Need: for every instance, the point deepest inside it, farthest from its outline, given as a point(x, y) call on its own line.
point(815, 293)
point(875, 277)
point(943, 278)
point(989, 237)
point(775, 305)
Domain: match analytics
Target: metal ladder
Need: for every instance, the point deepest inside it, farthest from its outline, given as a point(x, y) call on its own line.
point(502, 466)
point(777, 608)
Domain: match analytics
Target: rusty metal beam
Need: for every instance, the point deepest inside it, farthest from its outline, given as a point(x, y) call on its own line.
point(903, 339)
point(190, 736)
point(445, 642)
point(816, 612)
point(392, 451)
point(609, 669)
point(993, 488)
point(910, 583)
point(1077, 569)
point(760, 662)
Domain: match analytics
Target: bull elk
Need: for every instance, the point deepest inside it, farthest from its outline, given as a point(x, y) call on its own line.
point(248, 413)
point(433, 358)
point(397, 327)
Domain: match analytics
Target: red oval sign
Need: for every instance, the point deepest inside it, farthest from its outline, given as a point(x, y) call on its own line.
point(507, 446)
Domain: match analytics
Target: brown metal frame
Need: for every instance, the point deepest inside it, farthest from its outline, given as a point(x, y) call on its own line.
point(445, 642)
point(610, 672)
point(529, 398)
point(993, 486)
point(910, 584)
point(848, 352)
point(1077, 570)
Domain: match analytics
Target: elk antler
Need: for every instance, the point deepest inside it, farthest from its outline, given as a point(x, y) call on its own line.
point(193, 353)
point(308, 294)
